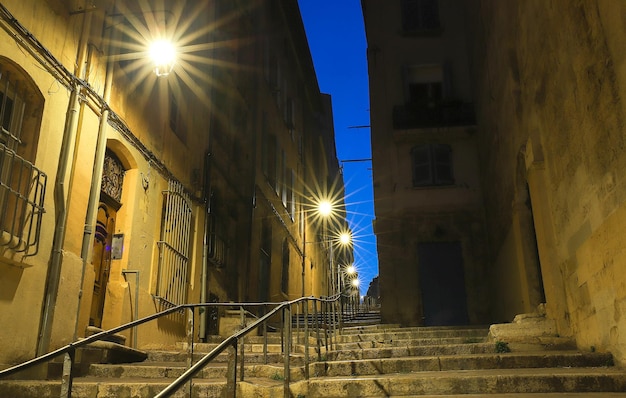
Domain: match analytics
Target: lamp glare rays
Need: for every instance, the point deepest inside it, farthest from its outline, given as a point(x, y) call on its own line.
point(162, 38)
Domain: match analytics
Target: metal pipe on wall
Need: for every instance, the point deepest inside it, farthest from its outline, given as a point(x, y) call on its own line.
point(60, 198)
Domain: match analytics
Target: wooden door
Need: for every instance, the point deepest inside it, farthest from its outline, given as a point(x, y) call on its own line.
point(105, 227)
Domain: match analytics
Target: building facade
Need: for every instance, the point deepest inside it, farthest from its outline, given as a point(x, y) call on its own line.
point(547, 81)
point(428, 197)
point(124, 193)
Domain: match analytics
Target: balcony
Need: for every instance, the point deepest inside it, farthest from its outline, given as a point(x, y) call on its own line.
point(444, 114)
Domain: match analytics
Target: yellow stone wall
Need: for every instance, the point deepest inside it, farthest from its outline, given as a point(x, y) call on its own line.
point(550, 81)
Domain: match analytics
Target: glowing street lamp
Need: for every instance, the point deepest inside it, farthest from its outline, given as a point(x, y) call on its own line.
point(163, 55)
point(325, 208)
point(345, 238)
point(351, 270)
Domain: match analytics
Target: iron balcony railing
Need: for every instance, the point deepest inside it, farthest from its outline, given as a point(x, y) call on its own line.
point(326, 316)
point(444, 114)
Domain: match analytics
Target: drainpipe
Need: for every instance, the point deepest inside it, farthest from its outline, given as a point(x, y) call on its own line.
point(204, 278)
point(96, 181)
point(60, 197)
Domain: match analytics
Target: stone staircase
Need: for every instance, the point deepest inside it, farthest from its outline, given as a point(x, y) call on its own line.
point(365, 361)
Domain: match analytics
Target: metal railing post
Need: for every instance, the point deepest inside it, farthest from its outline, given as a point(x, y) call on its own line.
point(242, 342)
point(67, 378)
point(297, 324)
point(306, 338)
point(326, 323)
point(287, 349)
point(231, 377)
point(265, 335)
point(317, 330)
point(190, 339)
point(191, 320)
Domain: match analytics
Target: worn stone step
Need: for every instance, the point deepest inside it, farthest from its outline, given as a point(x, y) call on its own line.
point(178, 356)
point(409, 342)
point(463, 362)
point(394, 327)
point(501, 381)
point(527, 395)
point(172, 370)
point(398, 352)
point(413, 334)
point(105, 388)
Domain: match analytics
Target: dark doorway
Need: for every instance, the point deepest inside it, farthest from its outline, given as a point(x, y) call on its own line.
point(442, 282)
point(212, 318)
point(538, 285)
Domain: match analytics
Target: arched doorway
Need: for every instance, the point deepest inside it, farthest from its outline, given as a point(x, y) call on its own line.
point(110, 202)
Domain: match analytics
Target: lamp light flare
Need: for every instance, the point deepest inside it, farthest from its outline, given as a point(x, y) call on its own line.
point(356, 282)
point(351, 270)
point(325, 208)
point(163, 55)
point(345, 238)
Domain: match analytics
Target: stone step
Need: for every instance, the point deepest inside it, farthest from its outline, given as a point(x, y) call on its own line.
point(394, 327)
point(97, 387)
point(529, 395)
point(414, 334)
point(409, 342)
point(463, 362)
point(398, 352)
point(145, 388)
point(255, 358)
point(172, 370)
point(501, 381)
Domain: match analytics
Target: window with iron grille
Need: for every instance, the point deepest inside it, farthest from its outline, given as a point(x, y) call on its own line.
point(22, 185)
point(173, 266)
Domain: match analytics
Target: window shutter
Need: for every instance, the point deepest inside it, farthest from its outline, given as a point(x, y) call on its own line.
point(422, 172)
point(443, 164)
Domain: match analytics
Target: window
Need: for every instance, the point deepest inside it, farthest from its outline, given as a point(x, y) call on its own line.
point(284, 285)
point(420, 15)
point(177, 122)
point(282, 191)
point(432, 165)
point(424, 85)
point(272, 161)
point(217, 247)
point(22, 185)
point(291, 203)
point(173, 267)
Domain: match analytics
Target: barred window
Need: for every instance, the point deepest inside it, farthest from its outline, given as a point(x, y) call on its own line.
point(22, 185)
point(173, 267)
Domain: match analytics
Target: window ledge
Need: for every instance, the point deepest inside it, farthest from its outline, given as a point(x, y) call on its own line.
point(432, 187)
point(7, 258)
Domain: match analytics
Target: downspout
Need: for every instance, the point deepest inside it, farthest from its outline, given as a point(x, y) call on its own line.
point(96, 181)
point(204, 281)
point(60, 197)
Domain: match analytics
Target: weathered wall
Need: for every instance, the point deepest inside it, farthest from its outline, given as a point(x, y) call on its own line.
point(550, 79)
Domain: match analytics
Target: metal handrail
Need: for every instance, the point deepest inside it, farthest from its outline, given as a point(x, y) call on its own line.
point(69, 350)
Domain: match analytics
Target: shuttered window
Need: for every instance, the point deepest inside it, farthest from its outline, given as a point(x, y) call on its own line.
point(432, 165)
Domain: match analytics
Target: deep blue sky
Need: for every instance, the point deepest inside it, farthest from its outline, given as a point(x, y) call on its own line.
point(337, 41)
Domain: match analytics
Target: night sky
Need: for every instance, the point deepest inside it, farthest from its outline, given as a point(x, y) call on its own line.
point(337, 41)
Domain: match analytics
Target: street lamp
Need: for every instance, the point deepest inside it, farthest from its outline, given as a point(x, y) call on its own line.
point(163, 55)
